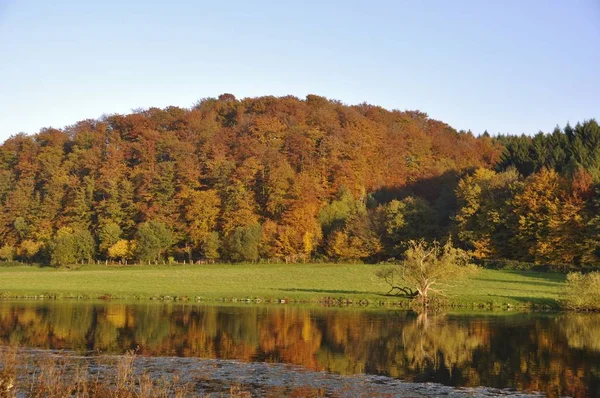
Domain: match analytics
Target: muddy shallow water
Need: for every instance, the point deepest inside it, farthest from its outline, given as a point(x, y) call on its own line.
point(216, 377)
point(309, 351)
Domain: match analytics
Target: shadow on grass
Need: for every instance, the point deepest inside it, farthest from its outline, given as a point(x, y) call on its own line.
point(332, 291)
point(538, 301)
point(549, 276)
point(550, 283)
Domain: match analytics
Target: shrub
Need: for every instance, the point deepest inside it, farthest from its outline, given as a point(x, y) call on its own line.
point(109, 235)
point(582, 291)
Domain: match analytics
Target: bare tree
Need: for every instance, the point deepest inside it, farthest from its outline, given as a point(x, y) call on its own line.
point(427, 270)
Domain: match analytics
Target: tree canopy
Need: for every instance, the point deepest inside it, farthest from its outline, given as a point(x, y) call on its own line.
point(294, 179)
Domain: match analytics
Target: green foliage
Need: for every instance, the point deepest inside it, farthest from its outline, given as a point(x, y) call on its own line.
point(85, 246)
point(21, 227)
point(211, 246)
point(242, 243)
point(511, 265)
point(153, 239)
point(485, 219)
point(109, 234)
point(71, 246)
point(351, 231)
point(407, 219)
point(62, 249)
point(582, 291)
point(562, 151)
point(335, 214)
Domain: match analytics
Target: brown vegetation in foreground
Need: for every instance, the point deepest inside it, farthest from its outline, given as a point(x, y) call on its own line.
point(59, 376)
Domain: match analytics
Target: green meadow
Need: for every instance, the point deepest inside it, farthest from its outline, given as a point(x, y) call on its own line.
point(332, 283)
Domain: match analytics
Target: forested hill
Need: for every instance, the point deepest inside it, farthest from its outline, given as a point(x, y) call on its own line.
point(278, 178)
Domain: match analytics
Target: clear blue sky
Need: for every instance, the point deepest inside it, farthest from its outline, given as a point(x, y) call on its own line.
point(507, 66)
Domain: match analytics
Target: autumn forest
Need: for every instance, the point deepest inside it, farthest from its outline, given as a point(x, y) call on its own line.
point(293, 180)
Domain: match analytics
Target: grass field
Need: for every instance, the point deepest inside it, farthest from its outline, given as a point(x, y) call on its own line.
point(297, 282)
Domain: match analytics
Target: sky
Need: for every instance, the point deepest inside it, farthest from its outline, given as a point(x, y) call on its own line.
point(510, 66)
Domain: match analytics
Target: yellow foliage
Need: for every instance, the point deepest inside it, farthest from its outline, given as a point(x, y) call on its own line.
point(308, 241)
point(29, 248)
point(484, 212)
point(123, 249)
point(298, 235)
point(7, 252)
point(64, 231)
point(341, 245)
point(550, 222)
point(201, 212)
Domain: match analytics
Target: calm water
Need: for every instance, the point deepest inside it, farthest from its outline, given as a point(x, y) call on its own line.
point(558, 354)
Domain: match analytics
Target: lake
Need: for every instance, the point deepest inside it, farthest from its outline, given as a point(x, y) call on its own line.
point(324, 350)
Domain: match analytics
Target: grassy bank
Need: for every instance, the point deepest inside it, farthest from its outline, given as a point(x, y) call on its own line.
point(269, 282)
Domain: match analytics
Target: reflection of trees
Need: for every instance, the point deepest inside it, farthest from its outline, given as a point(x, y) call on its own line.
point(554, 355)
point(152, 325)
point(291, 336)
point(69, 323)
point(433, 341)
point(581, 331)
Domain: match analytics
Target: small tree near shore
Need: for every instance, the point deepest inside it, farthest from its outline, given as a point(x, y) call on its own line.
point(427, 270)
point(581, 292)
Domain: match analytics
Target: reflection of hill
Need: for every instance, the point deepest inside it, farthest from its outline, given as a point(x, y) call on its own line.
point(525, 352)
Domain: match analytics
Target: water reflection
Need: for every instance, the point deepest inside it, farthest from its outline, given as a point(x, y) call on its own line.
point(557, 354)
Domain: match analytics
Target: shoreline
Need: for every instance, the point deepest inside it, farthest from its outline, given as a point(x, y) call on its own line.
point(321, 303)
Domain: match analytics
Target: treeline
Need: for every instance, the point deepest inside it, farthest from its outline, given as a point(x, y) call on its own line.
point(564, 151)
point(279, 178)
point(283, 179)
point(542, 202)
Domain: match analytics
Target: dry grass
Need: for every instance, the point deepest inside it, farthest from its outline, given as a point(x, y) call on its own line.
point(8, 372)
point(58, 376)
